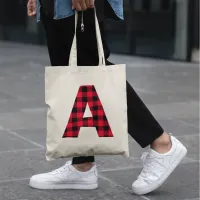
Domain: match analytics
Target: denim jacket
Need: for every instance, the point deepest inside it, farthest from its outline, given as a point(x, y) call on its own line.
point(63, 8)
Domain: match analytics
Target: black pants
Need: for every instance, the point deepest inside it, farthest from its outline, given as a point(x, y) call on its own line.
point(142, 126)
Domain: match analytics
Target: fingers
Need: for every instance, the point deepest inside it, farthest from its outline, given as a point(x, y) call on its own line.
point(88, 3)
point(91, 3)
point(82, 4)
point(31, 8)
point(34, 7)
point(31, 13)
point(77, 6)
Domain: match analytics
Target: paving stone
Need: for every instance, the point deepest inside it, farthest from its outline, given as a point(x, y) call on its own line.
point(191, 121)
point(37, 135)
point(178, 127)
point(19, 120)
point(192, 144)
point(24, 164)
point(9, 142)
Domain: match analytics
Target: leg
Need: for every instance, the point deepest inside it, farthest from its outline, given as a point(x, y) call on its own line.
point(142, 126)
point(165, 153)
point(81, 173)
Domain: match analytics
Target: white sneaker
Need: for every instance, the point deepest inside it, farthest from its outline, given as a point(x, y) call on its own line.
point(66, 177)
point(158, 167)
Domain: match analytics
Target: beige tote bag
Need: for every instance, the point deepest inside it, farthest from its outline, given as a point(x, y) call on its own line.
point(87, 107)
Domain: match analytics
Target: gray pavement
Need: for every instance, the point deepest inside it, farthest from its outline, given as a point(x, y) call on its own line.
point(170, 90)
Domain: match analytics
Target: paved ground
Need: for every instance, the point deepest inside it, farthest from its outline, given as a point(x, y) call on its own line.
point(169, 89)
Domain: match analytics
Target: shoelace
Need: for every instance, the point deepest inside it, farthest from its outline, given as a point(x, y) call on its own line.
point(148, 164)
point(64, 168)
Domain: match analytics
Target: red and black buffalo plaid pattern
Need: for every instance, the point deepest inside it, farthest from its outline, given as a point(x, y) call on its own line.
point(87, 95)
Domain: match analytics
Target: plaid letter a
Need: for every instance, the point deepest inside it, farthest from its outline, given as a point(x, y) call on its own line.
point(87, 95)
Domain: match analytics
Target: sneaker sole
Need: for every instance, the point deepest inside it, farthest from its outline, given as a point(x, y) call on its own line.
point(74, 186)
point(156, 185)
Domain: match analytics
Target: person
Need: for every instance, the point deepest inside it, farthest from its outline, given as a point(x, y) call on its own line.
point(165, 152)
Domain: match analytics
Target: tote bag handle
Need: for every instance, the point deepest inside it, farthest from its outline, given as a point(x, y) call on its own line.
point(73, 52)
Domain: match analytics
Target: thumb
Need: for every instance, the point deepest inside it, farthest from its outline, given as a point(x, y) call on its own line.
point(34, 13)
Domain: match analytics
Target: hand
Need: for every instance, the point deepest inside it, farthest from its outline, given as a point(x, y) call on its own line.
point(31, 8)
point(82, 4)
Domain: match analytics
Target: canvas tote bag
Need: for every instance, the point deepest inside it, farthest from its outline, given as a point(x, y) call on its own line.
point(87, 107)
